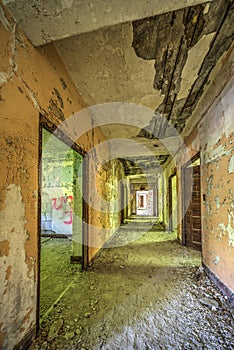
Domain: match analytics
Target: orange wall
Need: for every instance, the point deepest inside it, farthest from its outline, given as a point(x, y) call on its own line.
point(218, 187)
point(32, 82)
point(213, 136)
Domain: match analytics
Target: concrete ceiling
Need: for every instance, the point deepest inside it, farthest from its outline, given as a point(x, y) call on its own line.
point(47, 21)
point(154, 54)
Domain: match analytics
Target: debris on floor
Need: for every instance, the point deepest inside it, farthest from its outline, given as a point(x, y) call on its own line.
point(148, 294)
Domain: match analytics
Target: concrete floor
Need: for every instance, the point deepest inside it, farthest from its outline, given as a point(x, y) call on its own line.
point(148, 294)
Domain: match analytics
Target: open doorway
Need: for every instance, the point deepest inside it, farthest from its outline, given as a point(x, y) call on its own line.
point(145, 203)
point(192, 229)
point(172, 203)
point(61, 225)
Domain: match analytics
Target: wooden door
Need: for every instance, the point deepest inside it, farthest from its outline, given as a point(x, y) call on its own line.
point(122, 200)
point(192, 200)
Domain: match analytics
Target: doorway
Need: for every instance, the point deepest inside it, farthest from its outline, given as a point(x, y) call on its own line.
point(173, 202)
point(61, 220)
point(145, 203)
point(192, 229)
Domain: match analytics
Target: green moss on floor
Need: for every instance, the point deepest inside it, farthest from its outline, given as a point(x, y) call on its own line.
point(56, 270)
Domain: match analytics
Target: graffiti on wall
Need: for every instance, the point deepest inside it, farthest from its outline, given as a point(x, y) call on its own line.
point(64, 205)
point(57, 213)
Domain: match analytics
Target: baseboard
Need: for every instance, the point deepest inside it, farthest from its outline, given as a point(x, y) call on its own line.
point(222, 287)
point(27, 340)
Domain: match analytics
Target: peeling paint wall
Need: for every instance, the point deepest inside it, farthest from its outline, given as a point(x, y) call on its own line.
point(217, 130)
point(212, 134)
point(33, 83)
point(17, 298)
point(105, 201)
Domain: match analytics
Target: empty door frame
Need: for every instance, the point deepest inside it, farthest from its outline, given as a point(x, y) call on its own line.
point(43, 123)
point(171, 209)
point(155, 208)
point(122, 201)
point(187, 204)
point(85, 212)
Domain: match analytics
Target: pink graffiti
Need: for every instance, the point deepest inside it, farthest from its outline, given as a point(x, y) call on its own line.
point(62, 204)
point(69, 222)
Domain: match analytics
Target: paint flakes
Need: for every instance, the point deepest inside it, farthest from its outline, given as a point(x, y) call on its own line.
point(4, 248)
point(231, 165)
point(227, 229)
point(217, 201)
point(230, 229)
point(3, 78)
point(222, 230)
point(210, 185)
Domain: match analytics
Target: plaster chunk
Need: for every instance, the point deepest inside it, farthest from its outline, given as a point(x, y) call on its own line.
point(206, 9)
point(194, 61)
point(3, 78)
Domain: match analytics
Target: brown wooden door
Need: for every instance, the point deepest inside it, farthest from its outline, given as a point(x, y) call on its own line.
point(122, 194)
point(192, 200)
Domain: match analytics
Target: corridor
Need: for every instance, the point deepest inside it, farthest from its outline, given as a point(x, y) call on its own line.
point(117, 174)
point(149, 294)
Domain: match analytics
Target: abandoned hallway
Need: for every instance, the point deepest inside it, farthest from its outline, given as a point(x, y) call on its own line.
point(117, 174)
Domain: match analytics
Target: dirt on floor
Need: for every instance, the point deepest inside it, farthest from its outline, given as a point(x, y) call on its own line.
point(148, 294)
point(56, 270)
